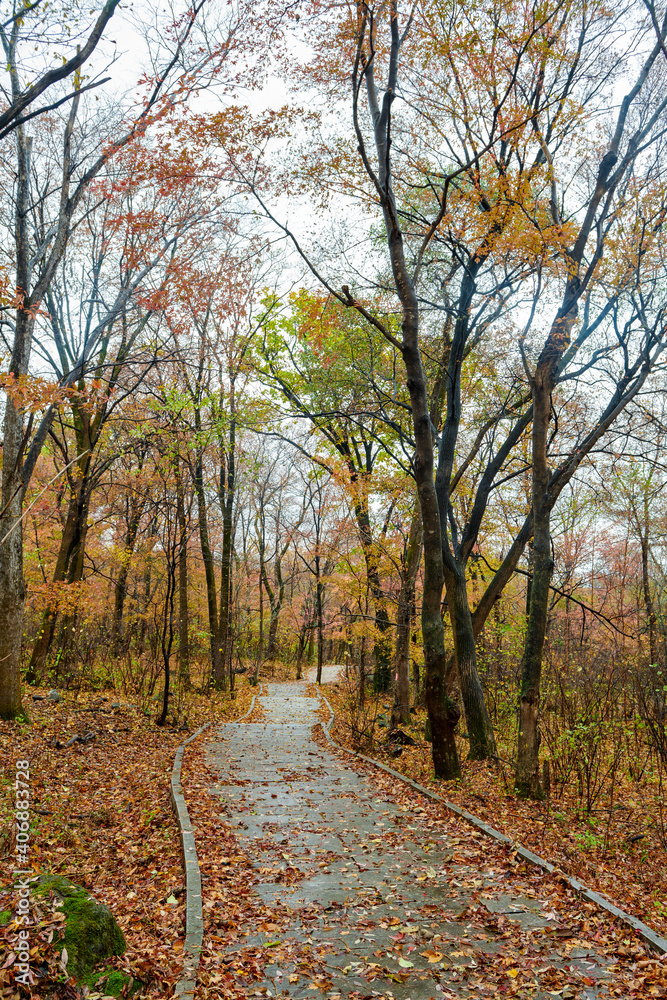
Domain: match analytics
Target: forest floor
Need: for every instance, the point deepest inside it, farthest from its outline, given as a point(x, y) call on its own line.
point(101, 815)
point(619, 848)
point(319, 873)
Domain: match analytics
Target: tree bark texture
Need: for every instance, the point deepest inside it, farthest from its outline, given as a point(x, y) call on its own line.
point(209, 566)
point(227, 498)
point(527, 780)
point(480, 729)
point(401, 708)
point(183, 632)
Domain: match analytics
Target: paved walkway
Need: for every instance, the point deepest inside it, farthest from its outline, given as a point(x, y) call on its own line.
point(386, 899)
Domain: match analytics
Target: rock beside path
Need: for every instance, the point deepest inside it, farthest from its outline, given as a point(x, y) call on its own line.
point(92, 934)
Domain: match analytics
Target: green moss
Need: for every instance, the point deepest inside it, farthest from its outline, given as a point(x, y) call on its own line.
point(112, 983)
point(115, 983)
point(5, 917)
point(91, 932)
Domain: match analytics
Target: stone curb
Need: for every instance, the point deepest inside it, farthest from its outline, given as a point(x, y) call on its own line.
point(653, 939)
point(194, 918)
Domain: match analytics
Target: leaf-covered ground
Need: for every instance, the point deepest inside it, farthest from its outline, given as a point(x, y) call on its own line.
point(617, 849)
point(259, 949)
point(102, 816)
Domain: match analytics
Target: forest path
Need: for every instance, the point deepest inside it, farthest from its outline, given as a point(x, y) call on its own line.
point(376, 891)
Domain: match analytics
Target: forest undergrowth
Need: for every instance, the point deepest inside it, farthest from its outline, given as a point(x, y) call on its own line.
point(101, 816)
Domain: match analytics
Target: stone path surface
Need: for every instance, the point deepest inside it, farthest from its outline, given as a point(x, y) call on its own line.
point(376, 891)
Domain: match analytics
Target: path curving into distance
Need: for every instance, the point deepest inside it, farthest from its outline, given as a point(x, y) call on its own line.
point(378, 893)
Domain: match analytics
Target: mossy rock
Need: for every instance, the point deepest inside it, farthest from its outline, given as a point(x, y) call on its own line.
point(91, 933)
point(112, 983)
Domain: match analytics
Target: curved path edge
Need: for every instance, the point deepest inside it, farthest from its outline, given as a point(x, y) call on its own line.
point(194, 917)
point(650, 936)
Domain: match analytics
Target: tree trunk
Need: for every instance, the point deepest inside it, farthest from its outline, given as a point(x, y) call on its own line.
point(527, 779)
point(167, 626)
point(50, 616)
point(381, 649)
point(456, 550)
point(230, 635)
point(209, 566)
point(443, 714)
point(143, 614)
point(300, 650)
point(646, 587)
point(319, 601)
point(227, 496)
point(362, 671)
point(69, 562)
point(183, 636)
point(12, 584)
point(120, 589)
point(480, 729)
point(310, 652)
point(401, 708)
point(277, 601)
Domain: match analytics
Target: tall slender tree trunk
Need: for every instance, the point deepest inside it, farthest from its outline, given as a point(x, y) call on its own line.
point(443, 714)
point(300, 649)
point(229, 645)
point(527, 781)
point(183, 633)
point(227, 497)
point(50, 616)
point(120, 588)
point(12, 584)
point(69, 562)
point(209, 565)
point(75, 575)
point(319, 602)
point(646, 586)
point(280, 598)
point(143, 611)
point(362, 671)
point(401, 708)
point(167, 623)
point(260, 637)
point(456, 552)
point(382, 647)
point(273, 606)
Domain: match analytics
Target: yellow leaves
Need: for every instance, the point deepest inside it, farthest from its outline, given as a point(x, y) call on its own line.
point(432, 956)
